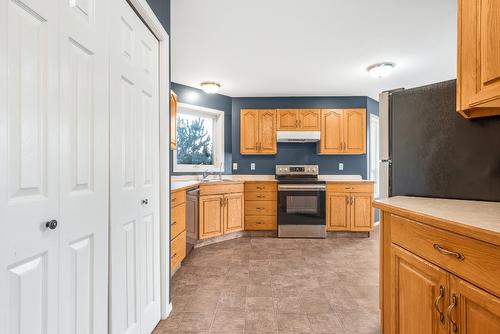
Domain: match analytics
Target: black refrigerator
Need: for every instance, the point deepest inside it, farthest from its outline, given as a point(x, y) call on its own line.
point(427, 149)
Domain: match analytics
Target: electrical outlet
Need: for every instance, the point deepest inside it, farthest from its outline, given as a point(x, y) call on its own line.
point(252, 166)
point(341, 166)
point(235, 166)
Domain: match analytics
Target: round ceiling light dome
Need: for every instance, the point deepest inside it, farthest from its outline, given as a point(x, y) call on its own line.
point(380, 70)
point(210, 87)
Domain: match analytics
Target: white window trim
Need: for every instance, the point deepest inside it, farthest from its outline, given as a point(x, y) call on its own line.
point(218, 140)
point(374, 119)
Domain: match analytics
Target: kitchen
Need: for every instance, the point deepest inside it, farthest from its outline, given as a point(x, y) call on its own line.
point(314, 210)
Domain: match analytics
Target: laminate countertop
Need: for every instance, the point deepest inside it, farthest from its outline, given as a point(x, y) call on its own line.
point(176, 185)
point(477, 219)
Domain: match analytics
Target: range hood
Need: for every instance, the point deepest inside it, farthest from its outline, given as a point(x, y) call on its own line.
point(297, 136)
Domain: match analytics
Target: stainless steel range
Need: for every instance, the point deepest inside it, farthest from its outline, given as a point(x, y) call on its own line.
point(301, 202)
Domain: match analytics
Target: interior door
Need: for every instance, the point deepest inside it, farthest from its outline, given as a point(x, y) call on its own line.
point(267, 131)
point(331, 131)
point(338, 212)
point(420, 295)
point(29, 166)
point(233, 213)
point(84, 167)
point(134, 168)
point(361, 212)
point(355, 131)
point(249, 131)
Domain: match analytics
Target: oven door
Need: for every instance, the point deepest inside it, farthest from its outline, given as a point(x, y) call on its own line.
point(301, 204)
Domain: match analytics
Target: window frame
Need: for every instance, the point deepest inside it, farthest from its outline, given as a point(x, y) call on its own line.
point(217, 139)
point(373, 158)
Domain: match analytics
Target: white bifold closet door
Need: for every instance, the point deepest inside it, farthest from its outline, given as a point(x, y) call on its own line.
point(134, 174)
point(54, 166)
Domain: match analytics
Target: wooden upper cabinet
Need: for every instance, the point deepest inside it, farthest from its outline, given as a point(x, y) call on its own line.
point(343, 131)
point(355, 131)
point(417, 286)
point(173, 120)
point(309, 119)
point(249, 131)
point(332, 131)
point(233, 213)
point(267, 132)
point(476, 311)
point(478, 74)
point(258, 131)
point(288, 119)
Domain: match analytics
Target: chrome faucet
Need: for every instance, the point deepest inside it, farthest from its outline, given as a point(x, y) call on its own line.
point(205, 174)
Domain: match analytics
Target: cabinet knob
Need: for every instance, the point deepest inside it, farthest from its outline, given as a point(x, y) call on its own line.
point(52, 224)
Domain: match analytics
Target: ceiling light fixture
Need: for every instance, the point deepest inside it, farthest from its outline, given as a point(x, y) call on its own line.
point(380, 70)
point(210, 87)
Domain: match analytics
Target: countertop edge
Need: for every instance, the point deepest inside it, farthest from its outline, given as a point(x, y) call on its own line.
point(467, 230)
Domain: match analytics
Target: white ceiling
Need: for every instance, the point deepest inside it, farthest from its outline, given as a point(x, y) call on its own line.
point(312, 47)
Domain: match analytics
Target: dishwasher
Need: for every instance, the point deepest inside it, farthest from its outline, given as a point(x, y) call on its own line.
point(192, 200)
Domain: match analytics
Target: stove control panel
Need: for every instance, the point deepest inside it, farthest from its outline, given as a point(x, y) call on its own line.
point(297, 170)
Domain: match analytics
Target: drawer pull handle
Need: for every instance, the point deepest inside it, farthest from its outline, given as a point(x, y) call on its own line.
point(260, 208)
point(174, 222)
point(436, 303)
point(444, 251)
point(260, 196)
point(454, 303)
point(260, 188)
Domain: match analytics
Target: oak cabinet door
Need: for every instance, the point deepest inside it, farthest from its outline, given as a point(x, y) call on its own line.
point(338, 212)
point(267, 132)
point(173, 120)
point(233, 213)
point(473, 310)
point(478, 79)
point(354, 131)
point(249, 131)
point(211, 216)
point(288, 119)
point(310, 119)
point(419, 295)
point(331, 131)
point(361, 212)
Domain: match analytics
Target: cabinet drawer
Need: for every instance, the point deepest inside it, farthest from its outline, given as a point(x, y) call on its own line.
point(261, 186)
point(221, 189)
point(178, 197)
point(261, 195)
point(479, 262)
point(178, 251)
point(260, 208)
point(178, 224)
point(260, 223)
point(350, 187)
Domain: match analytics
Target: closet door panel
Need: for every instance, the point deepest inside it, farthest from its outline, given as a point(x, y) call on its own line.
point(29, 126)
point(84, 165)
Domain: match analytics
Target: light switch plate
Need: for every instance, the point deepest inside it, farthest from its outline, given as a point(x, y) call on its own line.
point(341, 166)
point(235, 166)
point(252, 166)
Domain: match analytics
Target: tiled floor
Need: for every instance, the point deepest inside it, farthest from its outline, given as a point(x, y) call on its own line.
point(270, 285)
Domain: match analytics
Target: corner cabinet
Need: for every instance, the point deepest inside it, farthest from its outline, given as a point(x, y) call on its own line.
point(343, 131)
point(258, 131)
point(478, 74)
point(221, 209)
point(299, 119)
point(173, 120)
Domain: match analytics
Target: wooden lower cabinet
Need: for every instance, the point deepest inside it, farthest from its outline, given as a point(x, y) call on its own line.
point(177, 251)
point(178, 229)
point(261, 206)
point(220, 214)
point(349, 207)
point(419, 293)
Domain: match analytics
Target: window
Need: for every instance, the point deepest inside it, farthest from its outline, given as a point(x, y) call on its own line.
point(200, 139)
point(374, 152)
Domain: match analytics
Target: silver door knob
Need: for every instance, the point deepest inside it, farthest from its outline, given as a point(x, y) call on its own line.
point(145, 201)
point(52, 224)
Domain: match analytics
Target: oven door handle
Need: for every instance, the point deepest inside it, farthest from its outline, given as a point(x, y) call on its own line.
point(301, 187)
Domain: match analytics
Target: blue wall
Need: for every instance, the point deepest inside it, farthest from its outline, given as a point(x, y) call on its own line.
point(293, 153)
point(190, 95)
point(161, 8)
point(288, 153)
